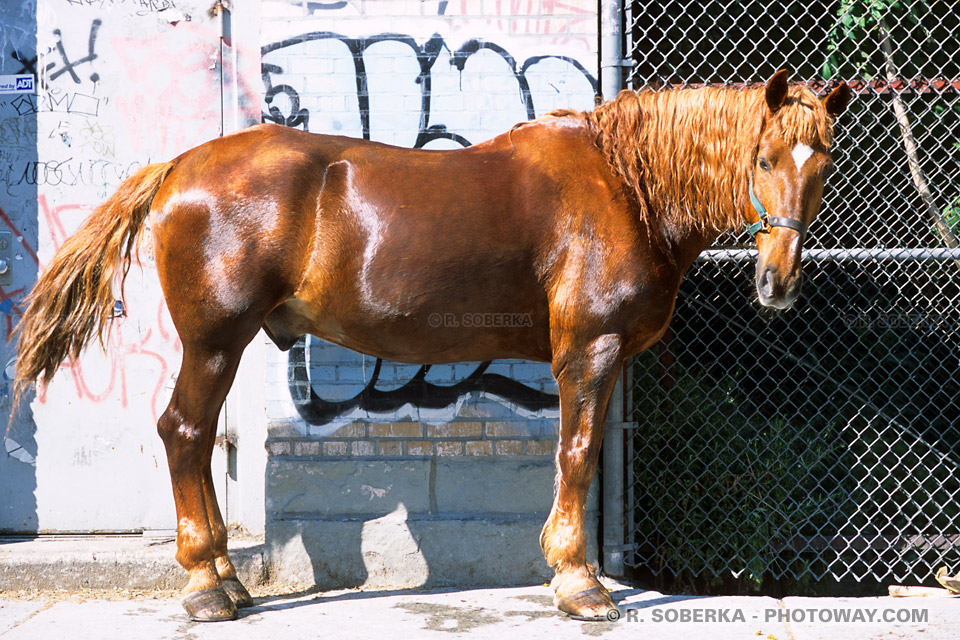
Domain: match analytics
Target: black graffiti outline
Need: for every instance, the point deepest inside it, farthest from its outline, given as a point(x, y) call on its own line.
point(341, 4)
point(27, 65)
point(25, 105)
point(146, 6)
point(69, 172)
point(315, 410)
point(297, 115)
point(426, 55)
point(68, 66)
point(326, 6)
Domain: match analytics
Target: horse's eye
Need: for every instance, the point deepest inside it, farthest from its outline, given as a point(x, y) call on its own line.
point(764, 164)
point(827, 171)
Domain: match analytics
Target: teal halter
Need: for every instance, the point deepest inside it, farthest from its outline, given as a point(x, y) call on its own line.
point(767, 221)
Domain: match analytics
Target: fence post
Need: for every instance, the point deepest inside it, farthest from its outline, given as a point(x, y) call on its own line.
point(611, 48)
point(611, 82)
point(613, 506)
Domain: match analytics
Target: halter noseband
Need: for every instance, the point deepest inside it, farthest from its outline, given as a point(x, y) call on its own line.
point(767, 221)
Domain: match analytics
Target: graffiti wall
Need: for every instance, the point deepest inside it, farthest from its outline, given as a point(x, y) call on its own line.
point(428, 75)
point(383, 473)
point(117, 84)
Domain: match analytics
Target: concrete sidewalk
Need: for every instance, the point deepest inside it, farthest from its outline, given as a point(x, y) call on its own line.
point(527, 612)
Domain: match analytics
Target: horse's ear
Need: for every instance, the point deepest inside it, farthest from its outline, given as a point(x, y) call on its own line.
point(776, 91)
point(836, 103)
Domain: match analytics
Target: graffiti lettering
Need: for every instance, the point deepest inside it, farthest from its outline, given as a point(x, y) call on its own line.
point(98, 139)
point(297, 115)
point(152, 6)
point(60, 220)
point(62, 102)
point(68, 66)
point(426, 56)
point(69, 172)
point(417, 390)
point(392, 386)
point(18, 133)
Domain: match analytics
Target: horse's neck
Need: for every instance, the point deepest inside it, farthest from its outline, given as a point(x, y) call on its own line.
point(701, 176)
point(684, 245)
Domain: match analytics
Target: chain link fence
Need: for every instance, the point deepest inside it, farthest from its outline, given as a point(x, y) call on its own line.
point(819, 446)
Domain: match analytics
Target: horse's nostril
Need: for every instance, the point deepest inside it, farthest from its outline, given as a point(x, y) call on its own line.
point(767, 280)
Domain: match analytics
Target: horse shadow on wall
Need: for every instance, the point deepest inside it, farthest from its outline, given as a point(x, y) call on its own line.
point(537, 85)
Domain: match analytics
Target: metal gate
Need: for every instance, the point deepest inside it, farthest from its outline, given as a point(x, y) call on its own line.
point(821, 444)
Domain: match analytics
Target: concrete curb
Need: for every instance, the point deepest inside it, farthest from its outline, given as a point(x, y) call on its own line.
point(109, 562)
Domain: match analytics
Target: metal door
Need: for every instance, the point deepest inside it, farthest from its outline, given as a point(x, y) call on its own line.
point(111, 93)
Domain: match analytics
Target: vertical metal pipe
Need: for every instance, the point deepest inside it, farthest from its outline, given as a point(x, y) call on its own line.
point(221, 11)
point(611, 48)
point(611, 82)
point(613, 505)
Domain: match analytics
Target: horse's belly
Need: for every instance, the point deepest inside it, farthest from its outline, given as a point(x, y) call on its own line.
point(422, 334)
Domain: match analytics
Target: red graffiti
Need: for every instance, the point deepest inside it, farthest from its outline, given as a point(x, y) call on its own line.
point(15, 295)
point(569, 23)
point(122, 352)
point(119, 355)
point(173, 99)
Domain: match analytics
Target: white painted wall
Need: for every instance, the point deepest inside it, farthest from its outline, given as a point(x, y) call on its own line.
point(121, 84)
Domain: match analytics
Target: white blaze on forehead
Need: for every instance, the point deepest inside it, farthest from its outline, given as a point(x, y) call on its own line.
point(801, 153)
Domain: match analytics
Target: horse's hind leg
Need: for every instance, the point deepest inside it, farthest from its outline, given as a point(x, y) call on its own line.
point(224, 565)
point(585, 377)
point(225, 569)
point(188, 429)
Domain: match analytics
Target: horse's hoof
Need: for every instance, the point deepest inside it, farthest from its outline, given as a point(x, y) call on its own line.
point(591, 605)
point(209, 605)
point(237, 593)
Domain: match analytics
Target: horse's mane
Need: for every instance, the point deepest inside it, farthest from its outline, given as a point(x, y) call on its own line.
point(687, 153)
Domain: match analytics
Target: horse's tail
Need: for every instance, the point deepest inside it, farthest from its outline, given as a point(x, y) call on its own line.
point(73, 299)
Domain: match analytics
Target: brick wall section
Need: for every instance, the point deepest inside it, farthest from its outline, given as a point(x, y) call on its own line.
point(414, 439)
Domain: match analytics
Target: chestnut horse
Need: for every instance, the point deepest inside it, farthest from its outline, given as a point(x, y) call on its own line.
point(582, 222)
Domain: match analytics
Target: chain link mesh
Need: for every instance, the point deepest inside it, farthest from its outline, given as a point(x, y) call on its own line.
point(821, 443)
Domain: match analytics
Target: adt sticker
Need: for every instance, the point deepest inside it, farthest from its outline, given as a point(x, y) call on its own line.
point(20, 83)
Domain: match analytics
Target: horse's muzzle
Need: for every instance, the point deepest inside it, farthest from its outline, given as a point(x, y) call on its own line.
point(777, 292)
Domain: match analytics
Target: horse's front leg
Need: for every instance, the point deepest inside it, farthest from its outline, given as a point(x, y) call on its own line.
point(586, 375)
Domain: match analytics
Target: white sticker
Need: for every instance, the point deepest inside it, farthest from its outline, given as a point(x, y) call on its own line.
point(20, 83)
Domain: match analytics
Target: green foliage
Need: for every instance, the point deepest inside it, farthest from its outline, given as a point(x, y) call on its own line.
point(853, 42)
point(951, 215)
point(721, 485)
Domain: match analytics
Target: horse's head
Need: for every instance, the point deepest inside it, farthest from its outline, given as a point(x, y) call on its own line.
point(786, 181)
